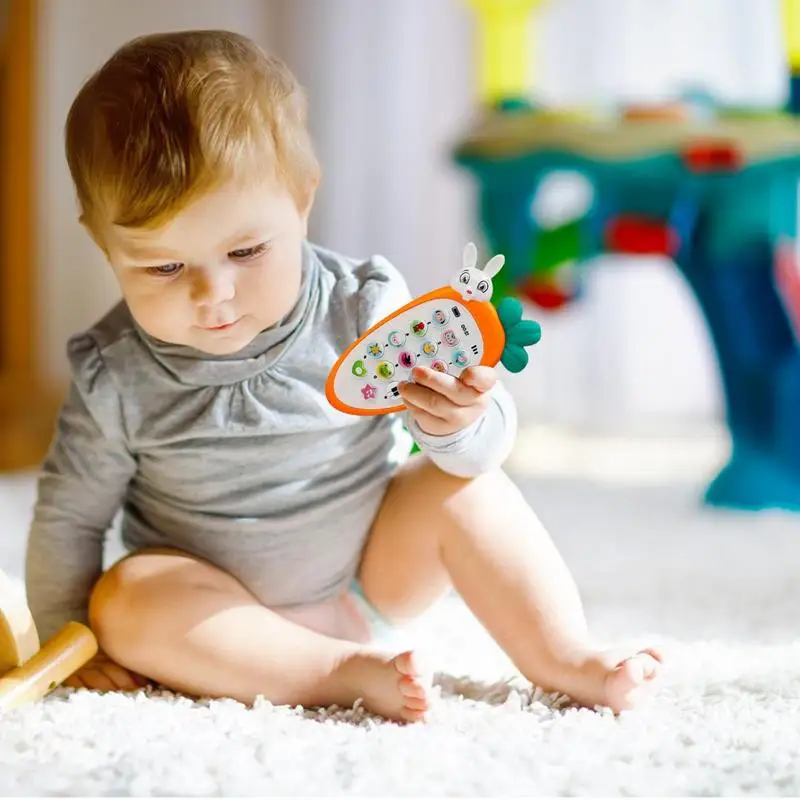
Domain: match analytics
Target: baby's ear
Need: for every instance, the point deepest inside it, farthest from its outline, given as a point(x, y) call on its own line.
point(494, 265)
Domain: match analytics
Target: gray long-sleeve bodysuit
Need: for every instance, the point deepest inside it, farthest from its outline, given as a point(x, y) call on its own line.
point(237, 459)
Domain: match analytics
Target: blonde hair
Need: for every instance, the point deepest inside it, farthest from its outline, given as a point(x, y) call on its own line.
point(171, 115)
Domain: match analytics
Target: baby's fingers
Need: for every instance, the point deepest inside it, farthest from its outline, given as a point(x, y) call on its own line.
point(428, 400)
point(123, 680)
point(454, 390)
point(451, 417)
point(75, 682)
point(95, 678)
point(435, 426)
point(480, 378)
point(104, 675)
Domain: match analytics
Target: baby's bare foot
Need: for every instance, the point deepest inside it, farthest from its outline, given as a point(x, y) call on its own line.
point(633, 680)
point(614, 679)
point(394, 687)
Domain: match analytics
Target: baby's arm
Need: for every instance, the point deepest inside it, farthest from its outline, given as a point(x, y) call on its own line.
point(80, 489)
point(479, 447)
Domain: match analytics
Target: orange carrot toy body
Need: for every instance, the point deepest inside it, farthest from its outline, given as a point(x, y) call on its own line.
point(449, 329)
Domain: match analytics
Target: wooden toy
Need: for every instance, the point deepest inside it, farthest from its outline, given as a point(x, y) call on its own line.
point(27, 671)
point(448, 330)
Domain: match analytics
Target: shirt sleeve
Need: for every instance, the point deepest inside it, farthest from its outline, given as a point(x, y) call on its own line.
point(481, 447)
point(80, 489)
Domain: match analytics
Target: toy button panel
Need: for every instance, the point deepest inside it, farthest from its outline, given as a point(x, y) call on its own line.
point(439, 334)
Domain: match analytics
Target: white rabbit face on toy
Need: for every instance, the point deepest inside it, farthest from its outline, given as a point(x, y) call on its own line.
point(473, 283)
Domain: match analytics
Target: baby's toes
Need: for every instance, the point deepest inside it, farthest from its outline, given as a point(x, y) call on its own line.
point(412, 715)
point(632, 671)
point(409, 664)
point(655, 661)
point(644, 666)
point(412, 687)
point(416, 703)
point(632, 681)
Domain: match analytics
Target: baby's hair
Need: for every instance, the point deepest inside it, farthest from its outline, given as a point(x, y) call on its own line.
point(170, 116)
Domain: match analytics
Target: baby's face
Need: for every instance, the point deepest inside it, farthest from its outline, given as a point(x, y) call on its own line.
point(220, 272)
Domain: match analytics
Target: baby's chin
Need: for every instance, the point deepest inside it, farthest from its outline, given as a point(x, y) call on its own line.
point(225, 342)
point(220, 348)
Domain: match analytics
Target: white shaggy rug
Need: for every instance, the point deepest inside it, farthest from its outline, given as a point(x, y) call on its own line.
point(721, 590)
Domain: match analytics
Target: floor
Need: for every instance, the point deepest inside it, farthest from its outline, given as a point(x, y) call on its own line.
point(718, 589)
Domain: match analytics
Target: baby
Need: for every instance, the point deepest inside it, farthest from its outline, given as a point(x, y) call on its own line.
point(274, 544)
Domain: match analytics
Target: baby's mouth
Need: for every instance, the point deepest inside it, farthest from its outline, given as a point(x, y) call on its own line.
point(222, 327)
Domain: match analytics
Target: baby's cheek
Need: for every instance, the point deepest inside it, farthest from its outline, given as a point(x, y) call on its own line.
point(272, 292)
point(159, 311)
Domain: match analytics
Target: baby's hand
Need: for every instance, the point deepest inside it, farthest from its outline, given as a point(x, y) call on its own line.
point(104, 675)
point(442, 404)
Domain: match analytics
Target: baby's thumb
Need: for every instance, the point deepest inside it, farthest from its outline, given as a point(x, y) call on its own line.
point(481, 379)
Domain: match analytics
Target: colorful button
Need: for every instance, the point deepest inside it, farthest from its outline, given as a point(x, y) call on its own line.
point(418, 327)
point(369, 392)
point(375, 349)
point(359, 370)
point(429, 348)
point(440, 317)
point(439, 365)
point(393, 391)
point(397, 338)
point(450, 338)
point(406, 359)
point(460, 358)
point(385, 370)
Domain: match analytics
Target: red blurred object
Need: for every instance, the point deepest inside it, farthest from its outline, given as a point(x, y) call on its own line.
point(712, 156)
point(641, 236)
point(545, 295)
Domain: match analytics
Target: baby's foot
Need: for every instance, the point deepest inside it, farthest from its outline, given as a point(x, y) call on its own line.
point(632, 680)
point(393, 687)
point(617, 680)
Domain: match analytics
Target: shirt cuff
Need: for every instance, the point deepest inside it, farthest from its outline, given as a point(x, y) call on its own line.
point(480, 447)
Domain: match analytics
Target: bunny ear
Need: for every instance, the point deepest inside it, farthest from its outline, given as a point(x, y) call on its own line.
point(494, 265)
point(470, 256)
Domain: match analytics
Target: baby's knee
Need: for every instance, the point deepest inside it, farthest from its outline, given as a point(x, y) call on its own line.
point(124, 603)
point(115, 606)
point(139, 602)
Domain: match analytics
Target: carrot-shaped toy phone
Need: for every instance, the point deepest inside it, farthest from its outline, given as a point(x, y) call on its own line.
point(449, 329)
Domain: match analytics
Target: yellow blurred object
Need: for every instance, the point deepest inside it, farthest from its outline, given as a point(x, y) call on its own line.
point(790, 18)
point(505, 46)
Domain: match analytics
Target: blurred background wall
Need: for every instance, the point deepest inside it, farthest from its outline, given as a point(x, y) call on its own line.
point(392, 86)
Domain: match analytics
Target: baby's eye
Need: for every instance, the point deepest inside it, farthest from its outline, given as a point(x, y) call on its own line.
point(483, 287)
point(165, 270)
point(464, 278)
point(248, 253)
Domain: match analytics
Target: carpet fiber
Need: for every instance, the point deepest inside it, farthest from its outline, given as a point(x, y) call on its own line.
point(719, 590)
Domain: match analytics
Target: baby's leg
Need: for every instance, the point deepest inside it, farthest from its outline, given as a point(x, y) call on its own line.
point(481, 535)
point(196, 629)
